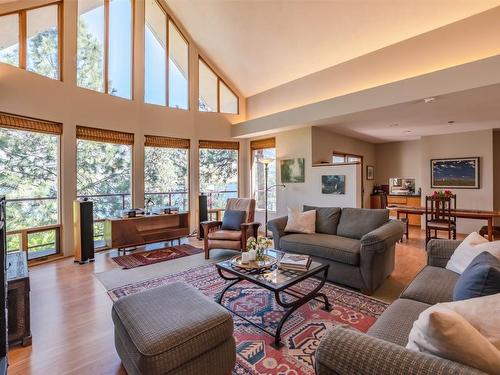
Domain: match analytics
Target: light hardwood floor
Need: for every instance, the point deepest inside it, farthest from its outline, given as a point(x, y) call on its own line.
point(71, 313)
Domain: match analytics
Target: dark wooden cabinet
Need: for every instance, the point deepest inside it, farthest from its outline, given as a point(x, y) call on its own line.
point(18, 298)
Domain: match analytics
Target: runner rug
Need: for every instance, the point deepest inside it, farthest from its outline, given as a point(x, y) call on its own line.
point(145, 258)
point(301, 333)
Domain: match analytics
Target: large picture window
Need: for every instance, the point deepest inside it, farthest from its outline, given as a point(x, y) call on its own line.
point(104, 172)
point(218, 172)
point(214, 94)
point(166, 60)
point(30, 39)
point(29, 178)
point(166, 172)
point(104, 46)
point(263, 149)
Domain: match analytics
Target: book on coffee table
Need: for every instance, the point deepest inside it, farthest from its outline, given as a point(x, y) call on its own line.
point(295, 262)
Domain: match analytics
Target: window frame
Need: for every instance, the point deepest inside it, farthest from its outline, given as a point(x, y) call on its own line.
point(219, 80)
point(169, 19)
point(23, 35)
point(188, 148)
point(106, 50)
point(252, 159)
point(58, 227)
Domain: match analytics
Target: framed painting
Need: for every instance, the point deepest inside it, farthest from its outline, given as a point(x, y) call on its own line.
point(292, 170)
point(459, 173)
point(370, 172)
point(334, 184)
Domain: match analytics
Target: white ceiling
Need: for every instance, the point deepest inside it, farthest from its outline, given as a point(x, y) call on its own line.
point(475, 109)
point(260, 44)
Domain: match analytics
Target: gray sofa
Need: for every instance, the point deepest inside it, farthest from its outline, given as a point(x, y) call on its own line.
point(382, 349)
point(357, 243)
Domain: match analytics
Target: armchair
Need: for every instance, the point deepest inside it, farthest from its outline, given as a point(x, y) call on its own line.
point(217, 238)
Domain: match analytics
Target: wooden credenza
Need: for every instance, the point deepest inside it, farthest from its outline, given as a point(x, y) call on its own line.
point(121, 233)
point(405, 200)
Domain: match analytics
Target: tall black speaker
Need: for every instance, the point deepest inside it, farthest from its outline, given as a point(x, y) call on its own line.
point(83, 231)
point(203, 213)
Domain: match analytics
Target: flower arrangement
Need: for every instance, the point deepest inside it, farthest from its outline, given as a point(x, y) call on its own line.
point(259, 245)
point(442, 193)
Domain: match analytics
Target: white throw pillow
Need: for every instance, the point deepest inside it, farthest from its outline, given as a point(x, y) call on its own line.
point(473, 245)
point(301, 222)
point(463, 331)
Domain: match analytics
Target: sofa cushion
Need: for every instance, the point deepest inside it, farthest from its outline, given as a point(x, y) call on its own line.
point(432, 285)
point(480, 278)
point(395, 324)
point(233, 219)
point(339, 249)
point(356, 222)
point(327, 218)
point(230, 235)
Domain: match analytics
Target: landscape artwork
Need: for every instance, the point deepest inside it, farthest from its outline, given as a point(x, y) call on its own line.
point(333, 184)
point(293, 170)
point(461, 173)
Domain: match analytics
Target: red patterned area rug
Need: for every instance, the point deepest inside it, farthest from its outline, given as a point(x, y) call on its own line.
point(301, 333)
point(145, 258)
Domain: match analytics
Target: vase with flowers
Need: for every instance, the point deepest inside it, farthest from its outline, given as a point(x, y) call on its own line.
point(442, 193)
point(259, 245)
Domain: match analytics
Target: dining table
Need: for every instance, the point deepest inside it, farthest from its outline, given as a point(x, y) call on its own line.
point(460, 213)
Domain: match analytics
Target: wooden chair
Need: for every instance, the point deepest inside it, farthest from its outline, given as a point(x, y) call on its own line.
point(496, 232)
point(438, 216)
point(404, 220)
point(217, 238)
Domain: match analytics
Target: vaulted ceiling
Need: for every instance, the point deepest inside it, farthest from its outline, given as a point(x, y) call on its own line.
point(260, 44)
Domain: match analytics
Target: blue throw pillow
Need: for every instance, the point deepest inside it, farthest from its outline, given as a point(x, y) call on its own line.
point(480, 278)
point(233, 219)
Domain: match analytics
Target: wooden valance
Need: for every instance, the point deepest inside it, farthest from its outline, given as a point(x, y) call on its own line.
point(159, 141)
point(30, 124)
point(224, 145)
point(104, 135)
point(260, 144)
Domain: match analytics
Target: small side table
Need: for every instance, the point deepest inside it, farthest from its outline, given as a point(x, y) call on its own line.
point(18, 298)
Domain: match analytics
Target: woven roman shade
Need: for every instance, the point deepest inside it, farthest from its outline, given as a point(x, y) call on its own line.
point(30, 124)
point(259, 144)
point(104, 135)
point(158, 141)
point(223, 145)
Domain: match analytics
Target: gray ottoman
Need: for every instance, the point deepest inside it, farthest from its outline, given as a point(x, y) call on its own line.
point(173, 329)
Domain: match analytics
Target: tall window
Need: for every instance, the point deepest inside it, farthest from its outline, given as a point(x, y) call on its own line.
point(164, 82)
point(30, 39)
point(264, 149)
point(105, 26)
point(214, 94)
point(218, 171)
point(166, 171)
point(104, 172)
point(29, 178)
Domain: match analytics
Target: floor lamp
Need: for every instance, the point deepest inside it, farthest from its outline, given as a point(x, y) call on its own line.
point(266, 163)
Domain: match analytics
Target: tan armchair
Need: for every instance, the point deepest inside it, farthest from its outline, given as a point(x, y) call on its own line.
point(217, 238)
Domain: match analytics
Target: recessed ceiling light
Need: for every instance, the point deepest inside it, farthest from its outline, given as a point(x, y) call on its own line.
point(451, 122)
point(393, 125)
point(429, 100)
point(407, 131)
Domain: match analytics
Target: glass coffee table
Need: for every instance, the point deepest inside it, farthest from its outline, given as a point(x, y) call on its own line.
point(279, 282)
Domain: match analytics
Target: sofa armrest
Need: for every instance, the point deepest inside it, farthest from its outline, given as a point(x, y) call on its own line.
point(386, 235)
point(345, 351)
point(277, 228)
point(440, 251)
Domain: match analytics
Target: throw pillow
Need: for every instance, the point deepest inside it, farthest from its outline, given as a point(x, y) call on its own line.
point(301, 222)
point(473, 245)
point(480, 278)
point(464, 331)
point(327, 218)
point(233, 219)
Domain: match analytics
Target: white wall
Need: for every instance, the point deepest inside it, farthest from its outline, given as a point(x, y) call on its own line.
point(29, 94)
point(298, 144)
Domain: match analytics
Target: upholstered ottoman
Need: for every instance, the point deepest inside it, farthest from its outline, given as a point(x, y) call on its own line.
point(173, 329)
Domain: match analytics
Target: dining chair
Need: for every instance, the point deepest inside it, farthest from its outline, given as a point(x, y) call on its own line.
point(438, 216)
point(404, 220)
